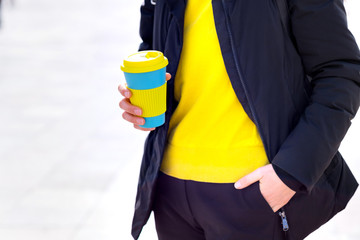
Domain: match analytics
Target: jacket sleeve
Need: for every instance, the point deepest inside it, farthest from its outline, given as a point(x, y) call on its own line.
point(331, 60)
point(146, 25)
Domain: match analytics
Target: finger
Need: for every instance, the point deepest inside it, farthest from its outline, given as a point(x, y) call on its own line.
point(143, 129)
point(124, 91)
point(133, 119)
point(249, 179)
point(168, 76)
point(125, 105)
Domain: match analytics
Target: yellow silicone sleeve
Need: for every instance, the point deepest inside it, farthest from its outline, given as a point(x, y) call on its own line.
point(151, 101)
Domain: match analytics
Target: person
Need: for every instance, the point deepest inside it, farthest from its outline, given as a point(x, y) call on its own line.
point(255, 116)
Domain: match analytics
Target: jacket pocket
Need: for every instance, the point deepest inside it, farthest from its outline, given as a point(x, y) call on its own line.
point(306, 212)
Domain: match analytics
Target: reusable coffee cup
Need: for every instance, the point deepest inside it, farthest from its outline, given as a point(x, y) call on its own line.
point(145, 77)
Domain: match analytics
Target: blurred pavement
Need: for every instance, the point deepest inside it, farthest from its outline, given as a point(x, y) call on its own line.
point(68, 162)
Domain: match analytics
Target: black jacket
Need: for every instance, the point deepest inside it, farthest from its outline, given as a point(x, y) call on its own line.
point(300, 89)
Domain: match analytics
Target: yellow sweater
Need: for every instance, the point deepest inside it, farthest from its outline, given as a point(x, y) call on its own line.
point(211, 138)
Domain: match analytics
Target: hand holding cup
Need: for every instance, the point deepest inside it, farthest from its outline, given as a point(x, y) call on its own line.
point(133, 113)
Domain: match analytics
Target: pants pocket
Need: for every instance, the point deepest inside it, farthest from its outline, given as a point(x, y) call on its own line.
point(254, 200)
point(259, 216)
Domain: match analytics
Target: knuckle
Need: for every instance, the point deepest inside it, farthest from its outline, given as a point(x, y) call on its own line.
point(259, 173)
point(121, 104)
point(125, 116)
point(121, 90)
point(124, 91)
point(124, 105)
point(128, 117)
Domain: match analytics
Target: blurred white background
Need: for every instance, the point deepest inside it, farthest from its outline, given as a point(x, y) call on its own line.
point(68, 162)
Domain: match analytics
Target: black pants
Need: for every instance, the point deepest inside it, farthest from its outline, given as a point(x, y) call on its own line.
point(190, 210)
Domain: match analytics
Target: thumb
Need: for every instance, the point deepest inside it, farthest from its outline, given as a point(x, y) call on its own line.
point(249, 179)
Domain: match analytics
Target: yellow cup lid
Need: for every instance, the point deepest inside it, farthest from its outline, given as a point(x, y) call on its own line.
point(144, 61)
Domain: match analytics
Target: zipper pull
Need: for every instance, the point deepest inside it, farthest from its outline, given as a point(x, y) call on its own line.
point(284, 220)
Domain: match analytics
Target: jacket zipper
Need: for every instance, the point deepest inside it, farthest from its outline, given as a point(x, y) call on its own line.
point(237, 65)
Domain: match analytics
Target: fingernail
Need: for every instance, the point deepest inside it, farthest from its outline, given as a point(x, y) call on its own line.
point(140, 122)
point(127, 94)
point(237, 185)
point(138, 112)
